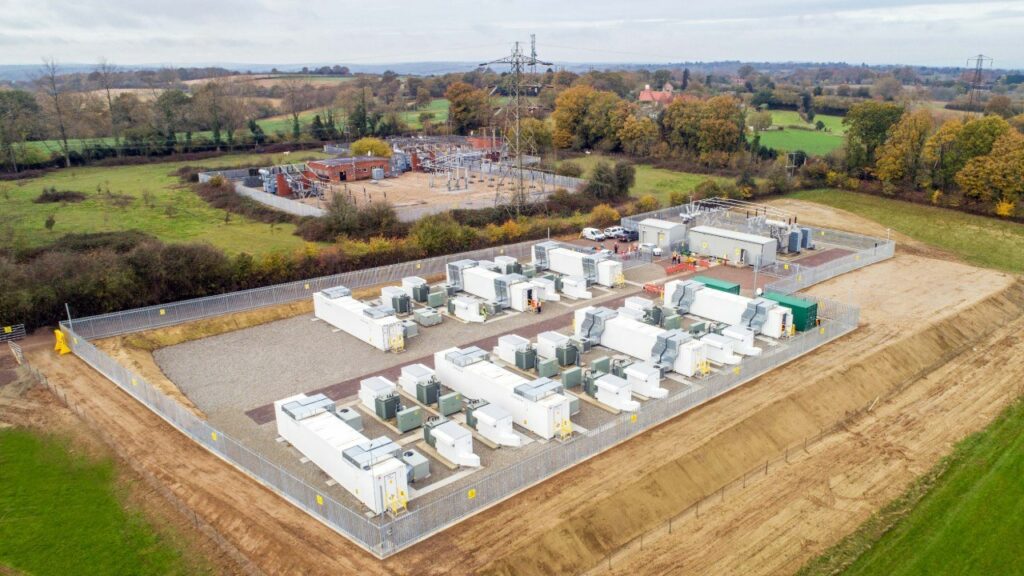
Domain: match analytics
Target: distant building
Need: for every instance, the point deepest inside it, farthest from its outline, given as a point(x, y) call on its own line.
point(347, 169)
point(663, 97)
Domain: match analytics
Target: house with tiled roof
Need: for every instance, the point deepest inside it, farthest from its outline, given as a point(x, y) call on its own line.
point(663, 97)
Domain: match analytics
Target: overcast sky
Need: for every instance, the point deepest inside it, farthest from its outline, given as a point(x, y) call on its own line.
point(184, 32)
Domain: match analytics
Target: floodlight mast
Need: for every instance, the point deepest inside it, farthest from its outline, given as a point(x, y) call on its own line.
point(518, 62)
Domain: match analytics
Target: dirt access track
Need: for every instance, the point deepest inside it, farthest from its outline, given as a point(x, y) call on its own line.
point(932, 333)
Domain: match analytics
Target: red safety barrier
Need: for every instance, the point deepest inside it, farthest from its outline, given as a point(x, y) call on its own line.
point(676, 268)
point(653, 289)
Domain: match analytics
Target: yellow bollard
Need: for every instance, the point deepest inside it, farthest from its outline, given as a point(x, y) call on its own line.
point(61, 345)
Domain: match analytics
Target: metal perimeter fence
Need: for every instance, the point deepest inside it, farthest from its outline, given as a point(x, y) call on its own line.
point(385, 536)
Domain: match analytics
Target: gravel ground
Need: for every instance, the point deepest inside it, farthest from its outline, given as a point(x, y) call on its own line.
point(230, 374)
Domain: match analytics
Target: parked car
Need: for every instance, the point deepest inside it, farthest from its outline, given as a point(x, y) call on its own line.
point(652, 248)
point(628, 236)
point(592, 234)
point(613, 232)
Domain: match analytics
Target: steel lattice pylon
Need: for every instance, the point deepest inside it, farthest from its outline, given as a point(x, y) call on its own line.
point(518, 61)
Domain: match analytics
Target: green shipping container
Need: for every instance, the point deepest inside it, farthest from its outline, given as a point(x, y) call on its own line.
point(805, 312)
point(723, 285)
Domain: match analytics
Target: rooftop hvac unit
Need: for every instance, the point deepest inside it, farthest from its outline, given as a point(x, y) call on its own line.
point(336, 292)
point(365, 455)
point(378, 312)
point(540, 254)
point(582, 344)
point(386, 406)
point(455, 270)
point(351, 417)
point(594, 323)
point(308, 407)
point(465, 356)
point(682, 295)
point(418, 465)
point(538, 389)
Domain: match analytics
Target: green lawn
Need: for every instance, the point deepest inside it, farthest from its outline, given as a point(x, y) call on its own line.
point(981, 241)
point(811, 141)
point(175, 213)
point(61, 513)
point(657, 182)
point(963, 518)
point(784, 118)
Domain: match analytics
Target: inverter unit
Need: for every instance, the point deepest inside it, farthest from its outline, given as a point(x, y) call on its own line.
point(547, 368)
point(572, 377)
point(419, 466)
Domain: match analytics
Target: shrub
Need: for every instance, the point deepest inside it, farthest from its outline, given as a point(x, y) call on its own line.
point(569, 169)
point(1004, 208)
point(441, 234)
point(707, 189)
point(603, 215)
point(51, 195)
point(678, 197)
point(936, 197)
point(217, 181)
point(647, 203)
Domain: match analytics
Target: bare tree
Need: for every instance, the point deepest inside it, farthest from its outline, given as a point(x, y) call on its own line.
point(53, 90)
point(105, 70)
point(295, 100)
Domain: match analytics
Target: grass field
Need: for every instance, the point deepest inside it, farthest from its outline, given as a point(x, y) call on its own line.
point(657, 182)
point(963, 518)
point(810, 141)
point(175, 213)
point(61, 513)
point(981, 241)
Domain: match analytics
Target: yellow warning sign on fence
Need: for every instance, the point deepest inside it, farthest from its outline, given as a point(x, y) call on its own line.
point(471, 494)
point(319, 500)
point(8, 329)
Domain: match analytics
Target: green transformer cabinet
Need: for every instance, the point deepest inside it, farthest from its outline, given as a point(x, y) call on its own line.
point(805, 312)
point(409, 419)
point(723, 285)
point(547, 368)
point(449, 403)
point(572, 377)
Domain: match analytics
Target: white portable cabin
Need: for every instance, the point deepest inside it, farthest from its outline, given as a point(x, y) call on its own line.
point(645, 379)
point(720, 349)
point(640, 340)
point(374, 387)
point(369, 469)
point(576, 287)
point(661, 233)
point(537, 405)
point(743, 339)
point(454, 443)
point(467, 309)
point(412, 375)
point(376, 326)
point(737, 247)
point(615, 392)
point(760, 314)
point(594, 267)
point(495, 423)
point(547, 342)
point(507, 347)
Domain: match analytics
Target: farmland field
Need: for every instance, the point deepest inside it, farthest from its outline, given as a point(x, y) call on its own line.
point(981, 241)
point(63, 514)
point(657, 182)
point(148, 197)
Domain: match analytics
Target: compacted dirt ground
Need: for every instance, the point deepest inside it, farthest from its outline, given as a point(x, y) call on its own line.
point(933, 332)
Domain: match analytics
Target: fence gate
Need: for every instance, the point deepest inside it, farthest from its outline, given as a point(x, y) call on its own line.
point(13, 332)
point(16, 350)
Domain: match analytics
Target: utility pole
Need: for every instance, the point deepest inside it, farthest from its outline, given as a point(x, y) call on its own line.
point(979, 62)
point(517, 62)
